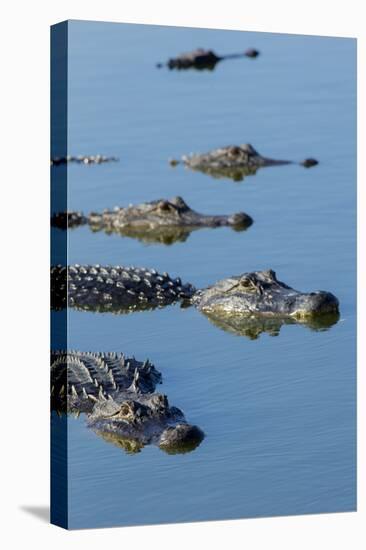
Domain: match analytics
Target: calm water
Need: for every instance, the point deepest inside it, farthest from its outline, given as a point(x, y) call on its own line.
point(278, 412)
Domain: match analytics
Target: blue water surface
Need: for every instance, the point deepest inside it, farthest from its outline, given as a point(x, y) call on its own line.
point(278, 412)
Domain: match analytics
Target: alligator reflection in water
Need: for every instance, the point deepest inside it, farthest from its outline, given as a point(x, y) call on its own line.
point(160, 221)
point(118, 396)
point(253, 326)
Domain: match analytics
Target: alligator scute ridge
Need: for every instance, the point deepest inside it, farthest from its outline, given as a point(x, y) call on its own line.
point(236, 301)
point(162, 220)
point(115, 289)
point(118, 396)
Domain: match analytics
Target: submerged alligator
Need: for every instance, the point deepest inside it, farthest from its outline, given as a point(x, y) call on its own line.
point(82, 159)
point(164, 221)
point(241, 303)
point(118, 395)
point(234, 162)
point(203, 59)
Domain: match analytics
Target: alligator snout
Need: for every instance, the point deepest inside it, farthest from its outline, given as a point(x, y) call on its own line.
point(181, 438)
point(315, 303)
point(308, 163)
point(240, 220)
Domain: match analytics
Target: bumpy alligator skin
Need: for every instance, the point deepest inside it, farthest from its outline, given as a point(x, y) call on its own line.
point(115, 289)
point(203, 59)
point(81, 159)
point(163, 220)
point(79, 379)
point(234, 162)
point(118, 395)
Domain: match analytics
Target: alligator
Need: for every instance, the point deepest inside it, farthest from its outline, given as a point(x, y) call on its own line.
point(203, 59)
point(163, 221)
point(234, 162)
point(118, 396)
point(82, 159)
point(242, 301)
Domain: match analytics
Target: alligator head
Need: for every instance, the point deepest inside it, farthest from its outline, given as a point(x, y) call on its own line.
point(235, 162)
point(164, 221)
point(117, 394)
point(144, 419)
point(261, 294)
point(201, 59)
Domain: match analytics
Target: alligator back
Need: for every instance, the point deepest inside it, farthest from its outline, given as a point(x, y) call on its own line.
point(116, 289)
point(79, 379)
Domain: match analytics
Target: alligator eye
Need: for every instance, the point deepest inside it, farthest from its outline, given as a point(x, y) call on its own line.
point(125, 410)
point(234, 151)
point(247, 284)
point(166, 206)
